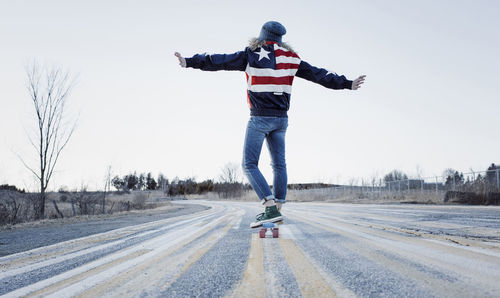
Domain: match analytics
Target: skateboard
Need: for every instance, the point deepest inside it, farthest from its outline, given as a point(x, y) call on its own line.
point(269, 230)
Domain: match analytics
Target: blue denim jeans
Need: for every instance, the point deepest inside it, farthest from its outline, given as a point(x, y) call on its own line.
point(273, 130)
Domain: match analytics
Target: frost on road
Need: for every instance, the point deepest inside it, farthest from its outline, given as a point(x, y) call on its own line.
point(324, 250)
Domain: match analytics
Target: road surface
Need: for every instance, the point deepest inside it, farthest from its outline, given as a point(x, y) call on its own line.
point(324, 250)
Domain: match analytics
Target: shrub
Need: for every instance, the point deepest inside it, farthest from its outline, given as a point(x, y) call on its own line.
point(139, 201)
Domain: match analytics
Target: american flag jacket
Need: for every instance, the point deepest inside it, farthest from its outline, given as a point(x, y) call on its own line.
point(270, 70)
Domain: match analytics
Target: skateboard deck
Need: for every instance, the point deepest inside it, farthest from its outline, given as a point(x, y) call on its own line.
point(269, 230)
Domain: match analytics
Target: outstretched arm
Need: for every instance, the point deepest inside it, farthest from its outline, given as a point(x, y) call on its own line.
point(236, 61)
point(326, 78)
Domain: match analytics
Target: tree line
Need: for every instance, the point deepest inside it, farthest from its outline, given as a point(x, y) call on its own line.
point(177, 187)
point(456, 179)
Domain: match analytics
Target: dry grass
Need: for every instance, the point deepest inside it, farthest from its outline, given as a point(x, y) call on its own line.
point(339, 196)
point(364, 197)
point(81, 204)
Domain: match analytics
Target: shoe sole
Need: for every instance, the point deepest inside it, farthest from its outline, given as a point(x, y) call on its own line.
point(274, 219)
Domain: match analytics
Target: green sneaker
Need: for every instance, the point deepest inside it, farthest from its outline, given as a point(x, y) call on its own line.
point(270, 215)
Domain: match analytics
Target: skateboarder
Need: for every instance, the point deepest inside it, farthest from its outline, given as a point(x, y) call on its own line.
point(270, 66)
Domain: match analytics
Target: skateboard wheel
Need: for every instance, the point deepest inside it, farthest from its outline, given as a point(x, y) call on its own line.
point(262, 233)
point(276, 233)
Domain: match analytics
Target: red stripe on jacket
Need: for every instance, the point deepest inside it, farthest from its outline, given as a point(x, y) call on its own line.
point(272, 80)
point(279, 52)
point(287, 66)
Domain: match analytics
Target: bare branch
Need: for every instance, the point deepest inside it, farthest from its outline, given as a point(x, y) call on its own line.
point(61, 147)
point(27, 167)
point(30, 139)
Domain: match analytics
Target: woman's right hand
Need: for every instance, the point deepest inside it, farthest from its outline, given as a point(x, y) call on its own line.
point(182, 60)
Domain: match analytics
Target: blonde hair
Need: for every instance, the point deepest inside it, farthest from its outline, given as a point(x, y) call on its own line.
point(255, 43)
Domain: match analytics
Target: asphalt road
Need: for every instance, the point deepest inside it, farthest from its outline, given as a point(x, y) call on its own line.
point(324, 250)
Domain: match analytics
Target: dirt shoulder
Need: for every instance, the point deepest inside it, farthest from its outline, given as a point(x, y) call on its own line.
point(23, 237)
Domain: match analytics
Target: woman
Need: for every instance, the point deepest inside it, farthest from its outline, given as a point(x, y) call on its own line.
point(270, 66)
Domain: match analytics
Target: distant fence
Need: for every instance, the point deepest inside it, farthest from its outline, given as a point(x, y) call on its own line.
point(429, 188)
point(478, 182)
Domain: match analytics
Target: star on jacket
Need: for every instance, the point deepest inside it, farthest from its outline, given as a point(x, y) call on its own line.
point(263, 54)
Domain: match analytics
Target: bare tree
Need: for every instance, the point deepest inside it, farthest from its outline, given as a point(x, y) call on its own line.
point(48, 88)
point(395, 175)
point(107, 188)
point(230, 185)
point(230, 173)
point(419, 171)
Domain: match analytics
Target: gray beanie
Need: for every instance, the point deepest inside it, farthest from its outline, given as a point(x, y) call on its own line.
point(272, 31)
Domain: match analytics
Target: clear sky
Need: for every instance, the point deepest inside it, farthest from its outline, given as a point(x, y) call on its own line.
point(431, 100)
